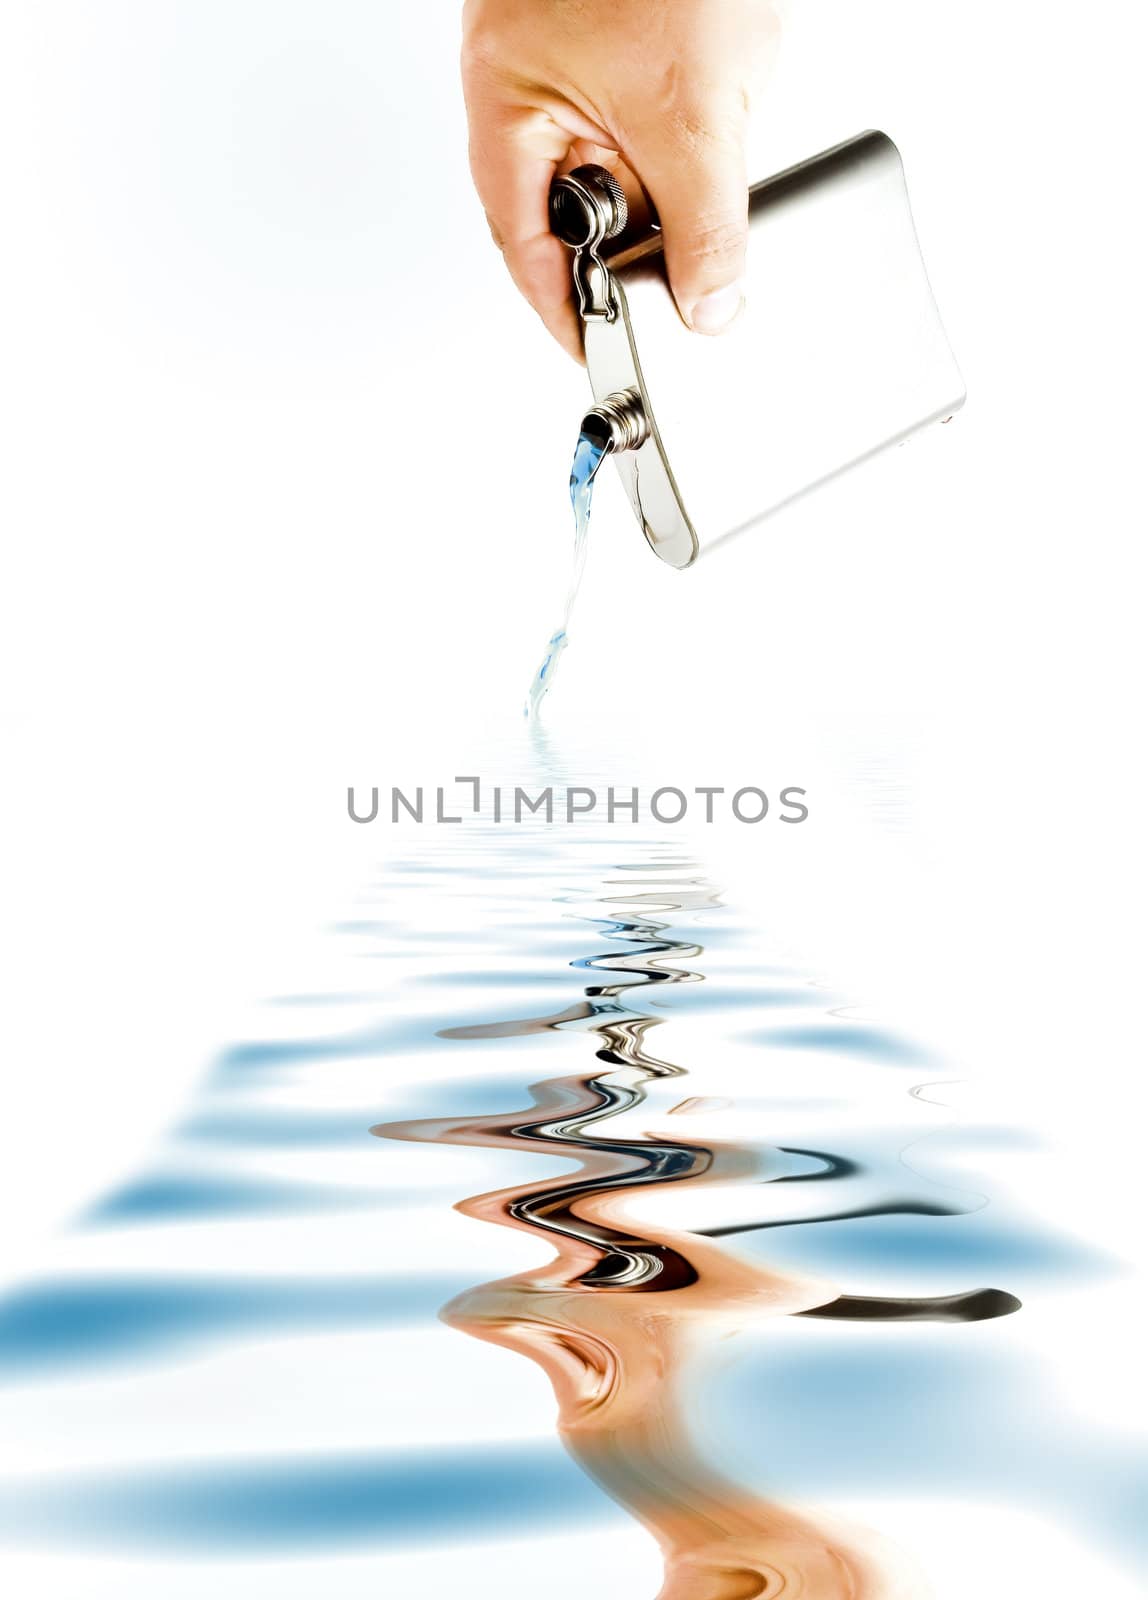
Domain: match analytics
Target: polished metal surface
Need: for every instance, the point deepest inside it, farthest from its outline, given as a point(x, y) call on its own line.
point(839, 352)
point(588, 207)
point(619, 421)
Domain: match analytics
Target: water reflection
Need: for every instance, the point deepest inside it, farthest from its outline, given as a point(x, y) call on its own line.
point(75, 1324)
point(583, 1052)
point(619, 1367)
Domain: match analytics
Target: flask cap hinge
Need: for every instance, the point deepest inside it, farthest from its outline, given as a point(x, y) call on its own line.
point(587, 207)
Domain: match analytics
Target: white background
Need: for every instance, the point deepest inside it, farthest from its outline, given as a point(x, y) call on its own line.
point(282, 507)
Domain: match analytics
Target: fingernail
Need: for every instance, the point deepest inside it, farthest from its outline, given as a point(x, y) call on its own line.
point(714, 312)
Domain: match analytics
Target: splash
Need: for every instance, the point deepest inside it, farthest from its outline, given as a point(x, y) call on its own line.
point(619, 1315)
point(589, 453)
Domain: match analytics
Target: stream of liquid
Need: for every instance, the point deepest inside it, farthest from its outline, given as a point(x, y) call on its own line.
point(589, 453)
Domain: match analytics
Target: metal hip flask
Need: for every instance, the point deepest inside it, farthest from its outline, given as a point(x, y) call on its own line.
point(839, 351)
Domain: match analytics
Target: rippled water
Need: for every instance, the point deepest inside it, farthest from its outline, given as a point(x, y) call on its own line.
point(560, 1092)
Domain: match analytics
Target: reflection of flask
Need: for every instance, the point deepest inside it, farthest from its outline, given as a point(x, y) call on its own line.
point(839, 351)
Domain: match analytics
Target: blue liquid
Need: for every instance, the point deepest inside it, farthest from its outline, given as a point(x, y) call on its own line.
point(588, 455)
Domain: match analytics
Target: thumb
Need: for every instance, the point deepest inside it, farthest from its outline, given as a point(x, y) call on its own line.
point(695, 175)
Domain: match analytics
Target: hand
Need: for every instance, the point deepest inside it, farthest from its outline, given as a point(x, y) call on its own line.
point(658, 91)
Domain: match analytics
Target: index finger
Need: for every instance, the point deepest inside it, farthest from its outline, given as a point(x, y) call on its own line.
point(514, 157)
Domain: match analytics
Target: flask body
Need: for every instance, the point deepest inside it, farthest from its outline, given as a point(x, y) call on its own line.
point(840, 351)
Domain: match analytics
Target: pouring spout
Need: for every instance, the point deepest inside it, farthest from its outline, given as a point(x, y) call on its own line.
point(618, 423)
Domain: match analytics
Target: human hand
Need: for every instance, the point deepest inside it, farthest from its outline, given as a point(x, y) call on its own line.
point(657, 92)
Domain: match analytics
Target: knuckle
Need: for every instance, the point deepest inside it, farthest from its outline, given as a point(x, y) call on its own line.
point(716, 240)
point(496, 234)
point(703, 121)
point(690, 129)
point(481, 56)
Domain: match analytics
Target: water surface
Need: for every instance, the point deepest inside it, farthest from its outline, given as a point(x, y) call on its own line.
point(565, 1126)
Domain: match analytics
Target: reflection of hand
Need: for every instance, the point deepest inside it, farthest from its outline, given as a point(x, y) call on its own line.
point(658, 92)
